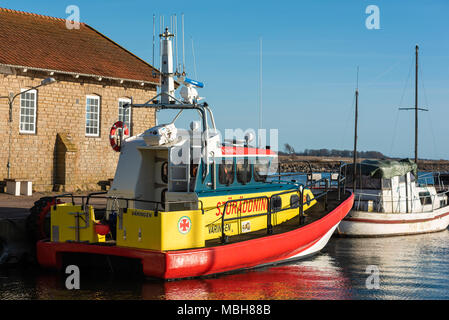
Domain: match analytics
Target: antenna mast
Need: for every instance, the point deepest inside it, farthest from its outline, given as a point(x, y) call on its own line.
point(183, 48)
point(154, 26)
point(260, 85)
point(176, 42)
point(167, 82)
point(416, 104)
point(194, 60)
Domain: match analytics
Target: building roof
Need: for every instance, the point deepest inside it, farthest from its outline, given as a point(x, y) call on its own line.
point(40, 42)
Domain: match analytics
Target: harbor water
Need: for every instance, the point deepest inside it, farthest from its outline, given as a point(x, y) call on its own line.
point(409, 267)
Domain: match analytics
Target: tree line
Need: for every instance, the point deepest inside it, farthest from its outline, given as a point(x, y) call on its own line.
point(333, 153)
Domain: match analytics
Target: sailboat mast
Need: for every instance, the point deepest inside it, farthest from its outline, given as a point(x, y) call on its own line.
point(355, 137)
point(354, 176)
point(416, 108)
point(416, 104)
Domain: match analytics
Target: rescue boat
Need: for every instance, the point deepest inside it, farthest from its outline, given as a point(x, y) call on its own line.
point(185, 204)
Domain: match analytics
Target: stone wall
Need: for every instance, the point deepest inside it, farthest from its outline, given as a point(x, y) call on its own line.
point(61, 108)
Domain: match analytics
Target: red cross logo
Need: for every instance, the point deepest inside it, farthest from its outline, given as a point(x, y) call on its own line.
point(184, 225)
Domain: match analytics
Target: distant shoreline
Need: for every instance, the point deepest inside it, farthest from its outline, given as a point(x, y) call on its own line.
point(331, 164)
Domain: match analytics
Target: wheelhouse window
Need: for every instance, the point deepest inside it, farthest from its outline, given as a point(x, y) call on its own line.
point(124, 114)
point(226, 172)
point(28, 111)
point(243, 171)
point(164, 172)
point(261, 170)
point(93, 116)
point(425, 198)
point(386, 183)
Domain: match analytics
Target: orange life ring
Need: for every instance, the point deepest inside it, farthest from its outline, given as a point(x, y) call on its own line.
point(113, 136)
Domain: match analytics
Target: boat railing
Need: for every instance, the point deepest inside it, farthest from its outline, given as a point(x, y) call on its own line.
point(224, 237)
point(334, 180)
point(85, 199)
point(433, 179)
point(271, 209)
point(380, 203)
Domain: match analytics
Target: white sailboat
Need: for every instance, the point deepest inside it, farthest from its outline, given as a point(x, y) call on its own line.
point(389, 199)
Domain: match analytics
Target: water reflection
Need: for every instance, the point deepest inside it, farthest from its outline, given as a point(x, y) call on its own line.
point(412, 267)
point(313, 279)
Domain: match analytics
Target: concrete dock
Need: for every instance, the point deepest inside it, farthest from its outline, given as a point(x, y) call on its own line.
point(15, 245)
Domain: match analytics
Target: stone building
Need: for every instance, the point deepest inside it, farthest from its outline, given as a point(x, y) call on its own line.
point(57, 135)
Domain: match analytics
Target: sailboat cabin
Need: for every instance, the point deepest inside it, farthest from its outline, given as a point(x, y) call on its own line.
point(391, 186)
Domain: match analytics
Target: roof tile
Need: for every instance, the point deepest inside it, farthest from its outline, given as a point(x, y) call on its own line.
point(43, 42)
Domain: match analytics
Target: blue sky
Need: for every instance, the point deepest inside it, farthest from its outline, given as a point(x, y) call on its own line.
point(311, 50)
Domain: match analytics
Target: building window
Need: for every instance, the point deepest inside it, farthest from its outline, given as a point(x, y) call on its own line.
point(28, 111)
point(124, 114)
point(93, 116)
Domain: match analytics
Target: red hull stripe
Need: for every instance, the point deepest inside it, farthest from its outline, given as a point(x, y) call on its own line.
point(395, 221)
point(246, 151)
point(204, 261)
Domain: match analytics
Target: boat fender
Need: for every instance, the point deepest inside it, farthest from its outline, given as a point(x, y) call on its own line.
point(35, 222)
point(4, 252)
point(113, 134)
point(102, 229)
point(112, 224)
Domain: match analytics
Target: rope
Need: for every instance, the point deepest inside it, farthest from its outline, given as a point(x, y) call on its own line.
point(400, 105)
point(429, 117)
point(348, 113)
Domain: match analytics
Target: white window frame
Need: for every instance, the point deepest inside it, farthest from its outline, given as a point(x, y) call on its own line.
point(22, 108)
point(97, 126)
point(126, 100)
